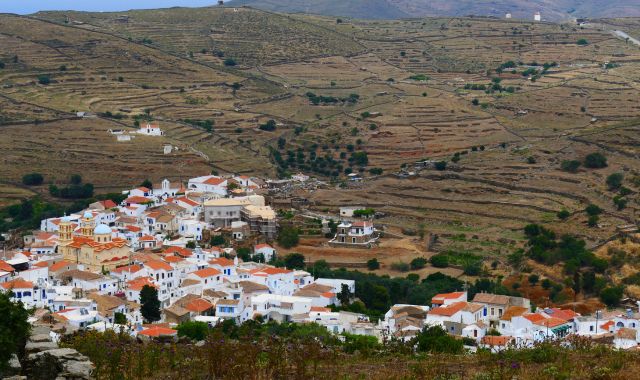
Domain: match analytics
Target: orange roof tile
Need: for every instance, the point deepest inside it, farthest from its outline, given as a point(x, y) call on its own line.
point(18, 283)
point(147, 238)
point(5, 267)
point(133, 228)
point(158, 265)
point(491, 340)
point(59, 265)
point(448, 311)
point(206, 272)
point(109, 204)
point(157, 331)
point(137, 199)
point(214, 181)
point(198, 305)
point(184, 252)
point(132, 268)
point(260, 246)
point(188, 201)
point(222, 261)
point(439, 298)
point(320, 309)
point(173, 259)
point(139, 283)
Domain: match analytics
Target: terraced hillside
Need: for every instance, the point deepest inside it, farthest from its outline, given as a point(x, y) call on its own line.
point(214, 34)
point(502, 106)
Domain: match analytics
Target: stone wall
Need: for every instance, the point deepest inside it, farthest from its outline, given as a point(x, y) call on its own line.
point(44, 360)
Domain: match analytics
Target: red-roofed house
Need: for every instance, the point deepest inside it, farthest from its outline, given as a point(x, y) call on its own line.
point(224, 265)
point(129, 272)
point(266, 250)
point(209, 277)
point(208, 184)
point(26, 292)
point(462, 312)
point(158, 331)
point(448, 298)
point(538, 327)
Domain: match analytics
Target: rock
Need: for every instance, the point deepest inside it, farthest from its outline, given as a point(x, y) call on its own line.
point(40, 330)
point(74, 369)
point(32, 347)
point(40, 338)
point(15, 378)
point(14, 367)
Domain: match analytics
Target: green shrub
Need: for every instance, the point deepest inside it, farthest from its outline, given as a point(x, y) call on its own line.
point(570, 166)
point(614, 181)
point(563, 214)
point(32, 179)
point(44, 79)
point(418, 263)
point(439, 261)
point(194, 330)
point(400, 266)
point(582, 42)
point(373, 264)
point(595, 161)
point(230, 62)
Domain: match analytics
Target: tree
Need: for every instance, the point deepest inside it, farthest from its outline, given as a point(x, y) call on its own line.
point(268, 126)
point(217, 240)
point(582, 42)
point(294, 261)
point(435, 339)
point(611, 296)
point(595, 161)
point(418, 263)
point(230, 62)
point(373, 264)
point(533, 279)
point(149, 304)
point(563, 214)
point(439, 261)
point(288, 237)
point(14, 328)
point(75, 179)
point(194, 330)
point(32, 179)
point(441, 165)
point(119, 318)
point(44, 79)
point(593, 210)
point(570, 166)
point(147, 183)
point(614, 181)
point(345, 295)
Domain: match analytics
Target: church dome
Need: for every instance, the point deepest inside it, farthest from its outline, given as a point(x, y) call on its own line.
point(66, 219)
point(102, 229)
point(88, 215)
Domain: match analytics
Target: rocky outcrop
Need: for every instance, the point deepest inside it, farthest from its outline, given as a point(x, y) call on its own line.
point(46, 361)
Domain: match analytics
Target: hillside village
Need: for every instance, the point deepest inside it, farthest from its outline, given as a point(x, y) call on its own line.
point(89, 270)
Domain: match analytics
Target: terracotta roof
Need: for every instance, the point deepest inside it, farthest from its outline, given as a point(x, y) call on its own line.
point(81, 275)
point(198, 305)
point(41, 264)
point(158, 331)
point(227, 302)
point(173, 259)
point(214, 181)
point(539, 320)
point(139, 283)
point(189, 282)
point(607, 325)
point(272, 271)
point(206, 272)
point(105, 302)
point(188, 201)
point(450, 310)
point(320, 309)
point(513, 311)
point(133, 268)
point(147, 238)
point(473, 307)
point(137, 199)
point(133, 228)
point(18, 283)
point(565, 314)
point(260, 246)
point(158, 265)
point(108, 204)
point(439, 298)
point(250, 286)
point(6, 267)
point(184, 252)
point(491, 340)
point(222, 261)
point(80, 241)
point(626, 333)
point(60, 265)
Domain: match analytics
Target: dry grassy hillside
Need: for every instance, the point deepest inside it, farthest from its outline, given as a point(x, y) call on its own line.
point(401, 91)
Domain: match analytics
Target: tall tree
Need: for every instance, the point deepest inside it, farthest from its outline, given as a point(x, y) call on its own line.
point(150, 304)
point(345, 295)
point(14, 328)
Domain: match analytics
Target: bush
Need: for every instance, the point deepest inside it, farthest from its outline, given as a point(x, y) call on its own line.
point(441, 165)
point(533, 279)
point(32, 179)
point(288, 237)
point(611, 296)
point(593, 221)
point(614, 181)
point(44, 79)
point(373, 264)
point(230, 62)
point(14, 328)
point(418, 263)
point(193, 330)
point(268, 126)
point(570, 166)
point(595, 161)
point(434, 339)
point(563, 214)
point(294, 261)
point(472, 268)
point(218, 240)
point(400, 266)
point(593, 210)
point(582, 42)
point(439, 261)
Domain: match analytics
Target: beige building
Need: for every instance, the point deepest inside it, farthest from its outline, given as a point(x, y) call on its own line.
point(94, 247)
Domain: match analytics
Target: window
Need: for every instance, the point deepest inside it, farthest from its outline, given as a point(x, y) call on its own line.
point(590, 328)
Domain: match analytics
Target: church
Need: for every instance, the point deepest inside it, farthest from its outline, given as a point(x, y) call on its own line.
point(94, 247)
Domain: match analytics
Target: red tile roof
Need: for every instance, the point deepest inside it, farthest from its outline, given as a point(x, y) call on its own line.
point(491, 340)
point(565, 314)
point(79, 241)
point(157, 331)
point(222, 261)
point(439, 298)
point(184, 252)
point(158, 265)
point(18, 284)
point(320, 309)
point(206, 272)
point(137, 200)
point(107, 204)
point(188, 201)
point(214, 181)
point(59, 265)
point(133, 268)
point(147, 238)
point(133, 228)
point(198, 305)
point(139, 283)
point(260, 246)
point(5, 267)
point(448, 311)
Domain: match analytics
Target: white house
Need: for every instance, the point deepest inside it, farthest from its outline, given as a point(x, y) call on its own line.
point(625, 338)
point(209, 184)
point(266, 250)
point(278, 307)
point(149, 129)
point(209, 277)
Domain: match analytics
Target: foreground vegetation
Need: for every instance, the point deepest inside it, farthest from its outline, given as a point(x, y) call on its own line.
point(274, 351)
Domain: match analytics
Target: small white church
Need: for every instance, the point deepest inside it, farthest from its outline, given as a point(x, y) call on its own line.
point(149, 129)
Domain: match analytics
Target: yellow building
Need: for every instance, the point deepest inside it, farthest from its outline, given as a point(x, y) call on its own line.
point(94, 247)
